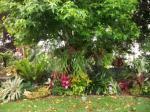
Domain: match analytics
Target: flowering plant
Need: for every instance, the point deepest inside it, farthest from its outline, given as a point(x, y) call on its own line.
point(65, 81)
point(60, 83)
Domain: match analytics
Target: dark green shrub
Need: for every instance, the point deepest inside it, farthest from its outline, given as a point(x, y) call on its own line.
point(31, 71)
point(102, 84)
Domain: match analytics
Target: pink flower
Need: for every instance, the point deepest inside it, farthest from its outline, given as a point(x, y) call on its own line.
point(65, 81)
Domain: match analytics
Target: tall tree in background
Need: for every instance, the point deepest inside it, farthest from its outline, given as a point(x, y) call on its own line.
point(84, 25)
point(142, 18)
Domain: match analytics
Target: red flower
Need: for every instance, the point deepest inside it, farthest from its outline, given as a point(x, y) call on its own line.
point(65, 81)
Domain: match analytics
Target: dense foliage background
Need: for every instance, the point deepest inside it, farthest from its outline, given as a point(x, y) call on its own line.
point(78, 46)
point(75, 22)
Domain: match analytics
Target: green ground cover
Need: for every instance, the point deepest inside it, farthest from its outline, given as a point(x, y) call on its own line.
point(76, 104)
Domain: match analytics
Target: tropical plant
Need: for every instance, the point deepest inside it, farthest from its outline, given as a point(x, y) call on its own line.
point(124, 86)
point(58, 64)
point(65, 81)
point(11, 89)
point(31, 71)
point(60, 84)
point(140, 65)
point(136, 90)
point(80, 81)
point(146, 86)
point(57, 89)
point(113, 87)
point(102, 83)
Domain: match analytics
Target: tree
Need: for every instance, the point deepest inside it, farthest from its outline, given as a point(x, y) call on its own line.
point(142, 18)
point(84, 25)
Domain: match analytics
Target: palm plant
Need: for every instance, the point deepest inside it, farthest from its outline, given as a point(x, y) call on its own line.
point(140, 65)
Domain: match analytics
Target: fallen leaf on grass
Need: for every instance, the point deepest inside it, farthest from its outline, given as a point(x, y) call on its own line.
point(87, 107)
point(51, 110)
point(35, 106)
point(89, 102)
point(114, 97)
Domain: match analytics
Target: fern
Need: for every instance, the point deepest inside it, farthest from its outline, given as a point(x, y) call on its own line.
point(31, 71)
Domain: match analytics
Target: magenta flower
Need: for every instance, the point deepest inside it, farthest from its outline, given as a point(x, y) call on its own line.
point(65, 81)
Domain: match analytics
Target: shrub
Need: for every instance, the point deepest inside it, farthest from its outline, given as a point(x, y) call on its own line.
point(80, 81)
point(11, 89)
point(57, 88)
point(146, 87)
point(102, 84)
point(6, 58)
point(60, 84)
point(31, 71)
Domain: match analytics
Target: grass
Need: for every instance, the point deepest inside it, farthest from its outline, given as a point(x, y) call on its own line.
point(75, 104)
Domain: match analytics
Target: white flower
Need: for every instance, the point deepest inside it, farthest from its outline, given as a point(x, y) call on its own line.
point(1, 43)
point(8, 41)
point(94, 39)
point(40, 43)
point(148, 26)
point(108, 29)
point(18, 55)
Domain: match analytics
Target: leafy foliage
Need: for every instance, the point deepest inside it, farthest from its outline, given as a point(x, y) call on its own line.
point(141, 64)
point(11, 89)
point(57, 89)
point(80, 79)
point(6, 57)
point(103, 84)
point(142, 18)
point(80, 82)
point(31, 71)
point(90, 30)
point(75, 22)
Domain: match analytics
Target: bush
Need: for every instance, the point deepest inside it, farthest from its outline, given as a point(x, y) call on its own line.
point(11, 89)
point(102, 84)
point(146, 88)
point(80, 81)
point(60, 84)
point(57, 89)
point(31, 71)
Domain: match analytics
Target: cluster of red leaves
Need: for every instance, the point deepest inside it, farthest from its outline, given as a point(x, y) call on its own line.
point(126, 84)
point(64, 79)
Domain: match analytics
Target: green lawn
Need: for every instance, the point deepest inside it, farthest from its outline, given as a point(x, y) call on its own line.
point(75, 104)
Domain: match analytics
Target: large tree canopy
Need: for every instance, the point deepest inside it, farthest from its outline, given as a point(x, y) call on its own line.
point(77, 22)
